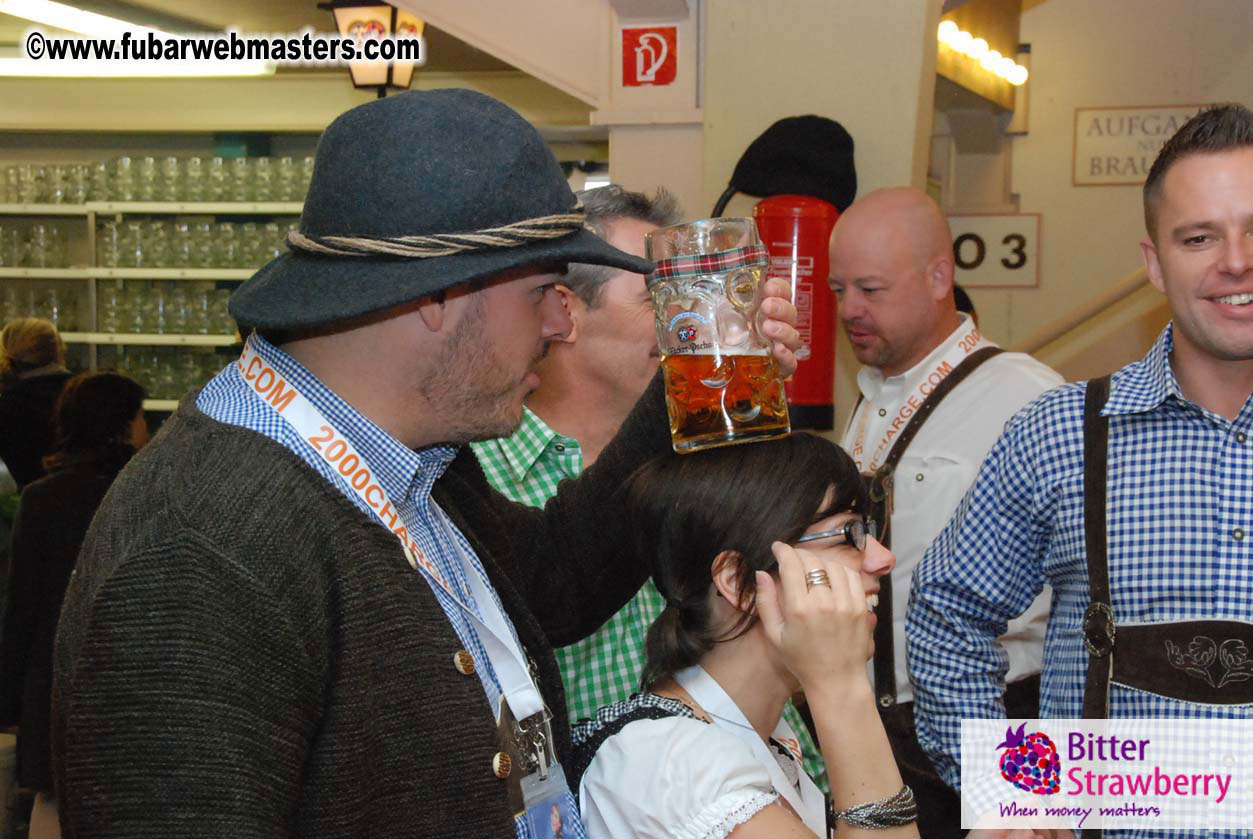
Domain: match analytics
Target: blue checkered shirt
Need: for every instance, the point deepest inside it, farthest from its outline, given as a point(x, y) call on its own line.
point(1180, 503)
point(406, 475)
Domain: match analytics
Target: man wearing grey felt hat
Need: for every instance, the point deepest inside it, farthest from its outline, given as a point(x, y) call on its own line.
point(301, 611)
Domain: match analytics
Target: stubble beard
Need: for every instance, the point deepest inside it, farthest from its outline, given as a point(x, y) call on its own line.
point(469, 386)
point(875, 354)
point(1209, 339)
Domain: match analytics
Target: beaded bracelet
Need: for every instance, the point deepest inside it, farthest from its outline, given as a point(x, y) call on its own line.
point(893, 811)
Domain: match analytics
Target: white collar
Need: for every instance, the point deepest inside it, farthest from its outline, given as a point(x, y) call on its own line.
point(805, 798)
point(872, 382)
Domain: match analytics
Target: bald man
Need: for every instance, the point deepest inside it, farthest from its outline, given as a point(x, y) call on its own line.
point(892, 273)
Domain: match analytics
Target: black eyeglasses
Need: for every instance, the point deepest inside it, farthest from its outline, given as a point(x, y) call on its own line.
point(852, 532)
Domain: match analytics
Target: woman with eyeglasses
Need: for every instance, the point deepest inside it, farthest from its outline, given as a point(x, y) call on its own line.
point(770, 574)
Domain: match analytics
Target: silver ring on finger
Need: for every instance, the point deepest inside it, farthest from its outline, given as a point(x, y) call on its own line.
point(817, 577)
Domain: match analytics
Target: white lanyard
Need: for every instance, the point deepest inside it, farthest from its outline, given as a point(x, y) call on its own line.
point(498, 640)
point(808, 802)
point(965, 341)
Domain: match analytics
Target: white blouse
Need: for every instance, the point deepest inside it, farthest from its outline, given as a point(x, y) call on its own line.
point(672, 777)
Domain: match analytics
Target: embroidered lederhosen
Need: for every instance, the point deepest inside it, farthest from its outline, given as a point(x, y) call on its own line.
point(879, 488)
point(1200, 661)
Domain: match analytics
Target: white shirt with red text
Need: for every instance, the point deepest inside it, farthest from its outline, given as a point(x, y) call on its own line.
point(941, 464)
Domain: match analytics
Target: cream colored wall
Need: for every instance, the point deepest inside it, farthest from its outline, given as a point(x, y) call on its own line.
point(285, 102)
point(1117, 335)
point(561, 42)
point(1084, 54)
point(656, 137)
point(868, 64)
point(644, 157)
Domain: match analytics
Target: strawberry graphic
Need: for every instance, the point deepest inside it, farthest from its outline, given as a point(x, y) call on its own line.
point(1030, 761)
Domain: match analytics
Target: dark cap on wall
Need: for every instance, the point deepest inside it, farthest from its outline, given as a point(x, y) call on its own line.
point(805, 155)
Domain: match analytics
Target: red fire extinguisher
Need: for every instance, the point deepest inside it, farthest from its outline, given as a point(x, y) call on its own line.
point(796, 229)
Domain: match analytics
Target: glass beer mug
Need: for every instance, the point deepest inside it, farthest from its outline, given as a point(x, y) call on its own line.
point(722, 383)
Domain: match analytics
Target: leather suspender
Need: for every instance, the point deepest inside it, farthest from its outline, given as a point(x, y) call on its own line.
point(879, 487)
point(1098, 620)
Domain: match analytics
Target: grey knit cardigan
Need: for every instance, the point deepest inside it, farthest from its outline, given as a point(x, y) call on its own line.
point(244, 653)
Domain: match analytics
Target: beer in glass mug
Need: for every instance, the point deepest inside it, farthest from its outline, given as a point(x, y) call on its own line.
point(722, 383)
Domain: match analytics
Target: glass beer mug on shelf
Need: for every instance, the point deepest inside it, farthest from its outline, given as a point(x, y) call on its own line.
point(722, 383)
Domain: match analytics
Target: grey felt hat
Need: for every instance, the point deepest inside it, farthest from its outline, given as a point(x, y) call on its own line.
point(442, 164)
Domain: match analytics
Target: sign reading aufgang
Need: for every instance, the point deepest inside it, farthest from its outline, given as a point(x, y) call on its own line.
point(1110, 774)
point(1118, 145)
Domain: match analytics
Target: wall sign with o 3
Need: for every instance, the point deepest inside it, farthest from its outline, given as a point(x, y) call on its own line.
point(996, 251)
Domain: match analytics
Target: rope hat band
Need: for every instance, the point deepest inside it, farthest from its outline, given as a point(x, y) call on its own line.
point(442, 244)
point(414, 194)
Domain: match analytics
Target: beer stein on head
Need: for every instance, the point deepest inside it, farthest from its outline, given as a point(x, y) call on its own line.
point(722, 383)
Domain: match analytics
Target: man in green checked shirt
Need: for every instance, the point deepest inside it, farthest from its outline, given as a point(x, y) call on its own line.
point(589, 383)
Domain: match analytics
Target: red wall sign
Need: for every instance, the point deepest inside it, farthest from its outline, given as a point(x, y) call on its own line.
point(650, 56)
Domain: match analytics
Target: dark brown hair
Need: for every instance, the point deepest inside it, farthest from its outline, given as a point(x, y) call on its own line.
point(687, 509)
point(1218, 129)
point(93, 417)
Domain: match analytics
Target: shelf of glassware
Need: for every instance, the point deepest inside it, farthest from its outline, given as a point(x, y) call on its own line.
point(171, 273)
point(149, 340)
point(90, 273)
point(180, 208)
point(43, 209)
point(77, 273)
point(196, 208)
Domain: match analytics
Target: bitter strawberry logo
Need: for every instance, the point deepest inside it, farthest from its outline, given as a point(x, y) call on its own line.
point(1030, 761)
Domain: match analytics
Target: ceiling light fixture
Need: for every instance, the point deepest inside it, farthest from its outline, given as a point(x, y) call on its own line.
point(61, 16)
point(976, 49)
point(365, 19)
point(67, 18)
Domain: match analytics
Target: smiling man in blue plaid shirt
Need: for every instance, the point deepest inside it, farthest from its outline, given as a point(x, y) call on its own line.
point(1179, 501)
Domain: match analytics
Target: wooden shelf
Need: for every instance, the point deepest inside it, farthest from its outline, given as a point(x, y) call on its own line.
point(43, 209)
point(127, 273)
point(142, 339)
point(171, 273)
point(46, 273)
point(240, 208)
point(192, 208)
